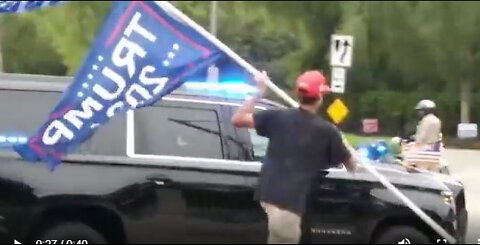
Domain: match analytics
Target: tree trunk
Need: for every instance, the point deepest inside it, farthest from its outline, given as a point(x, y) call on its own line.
point(465, 99)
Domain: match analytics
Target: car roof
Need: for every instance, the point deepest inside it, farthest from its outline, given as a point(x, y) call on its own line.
point(34, 82)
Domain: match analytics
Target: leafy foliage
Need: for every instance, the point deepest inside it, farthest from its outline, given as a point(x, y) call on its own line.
point(403, 51)
point(25, 51)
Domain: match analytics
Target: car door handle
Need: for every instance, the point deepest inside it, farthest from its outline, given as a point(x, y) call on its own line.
point(160, 180)
point(326, 187)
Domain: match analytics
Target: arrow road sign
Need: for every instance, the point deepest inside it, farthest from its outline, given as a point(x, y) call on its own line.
point(341, 49)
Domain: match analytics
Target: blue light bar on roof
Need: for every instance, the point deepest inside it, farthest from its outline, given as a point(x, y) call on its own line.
point(11, 139)
point(229, 89)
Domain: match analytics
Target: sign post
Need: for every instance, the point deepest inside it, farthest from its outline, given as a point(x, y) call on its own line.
point(213, 72)
point(341, 49)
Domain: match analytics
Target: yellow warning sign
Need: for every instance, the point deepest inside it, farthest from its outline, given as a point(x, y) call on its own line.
point(337, 111)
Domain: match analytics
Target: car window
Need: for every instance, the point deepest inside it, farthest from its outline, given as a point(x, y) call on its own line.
point(23, 112)
point(31, 110)
point(109, 138)
point(259, 144)
point(178, 131)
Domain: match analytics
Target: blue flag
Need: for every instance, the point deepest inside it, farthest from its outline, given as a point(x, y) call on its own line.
point(140, 55)
point(24, 6)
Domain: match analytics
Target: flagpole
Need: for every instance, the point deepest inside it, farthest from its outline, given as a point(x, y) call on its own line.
point(185, 19)
point(169, 7)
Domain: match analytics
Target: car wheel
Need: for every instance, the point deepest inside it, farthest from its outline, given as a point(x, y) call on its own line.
point(402, 235)
point(74, 231)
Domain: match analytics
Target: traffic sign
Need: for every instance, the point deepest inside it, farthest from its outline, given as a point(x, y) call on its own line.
point(370, 125)
point(337, 111)
point(338, 80)
point(341, 49)
point(467, 130)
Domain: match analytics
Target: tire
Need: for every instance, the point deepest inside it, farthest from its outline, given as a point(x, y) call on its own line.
point(74, 231)
point(402, 235)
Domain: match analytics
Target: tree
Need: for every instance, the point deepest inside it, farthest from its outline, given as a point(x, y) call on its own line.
point(243, 26)
point(451, 35)
point(246, 27)
point(24, 51)
point(418, 50)
point(403, 51)
point(71, 28)
point(312, 23)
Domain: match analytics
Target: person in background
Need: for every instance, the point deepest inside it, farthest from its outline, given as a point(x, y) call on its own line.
point(425, 151)
point(300, 145)
point(429, 128)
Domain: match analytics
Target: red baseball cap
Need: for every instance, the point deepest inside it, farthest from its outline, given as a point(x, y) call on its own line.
point(312, 84)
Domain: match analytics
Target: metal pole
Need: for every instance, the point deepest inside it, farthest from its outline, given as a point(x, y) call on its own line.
point(213, 18)
point(172, 10)
point(1, 37)
point(213, 72)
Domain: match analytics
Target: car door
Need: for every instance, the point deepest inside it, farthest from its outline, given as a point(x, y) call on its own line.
point(251, 148)
point(329, 210)
point(203, 206)
point(341, 208)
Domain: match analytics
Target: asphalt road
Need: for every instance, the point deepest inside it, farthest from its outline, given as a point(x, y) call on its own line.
point(465, 165)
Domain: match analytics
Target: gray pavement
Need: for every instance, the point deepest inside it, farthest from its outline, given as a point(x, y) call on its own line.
point(465, 164)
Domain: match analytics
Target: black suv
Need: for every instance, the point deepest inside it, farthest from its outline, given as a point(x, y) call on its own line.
point(180, 172)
